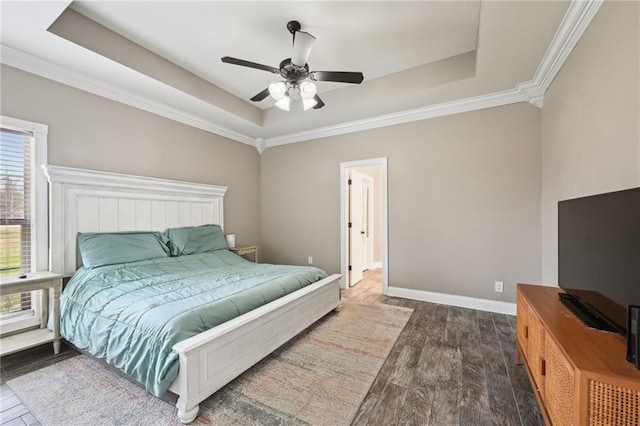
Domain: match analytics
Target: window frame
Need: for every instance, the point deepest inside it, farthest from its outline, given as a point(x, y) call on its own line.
point(40, 220)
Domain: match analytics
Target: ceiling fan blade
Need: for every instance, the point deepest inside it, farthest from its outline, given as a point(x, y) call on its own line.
point(260, 96)
point(319, 104)
point(243, 63)
point(302, 45)
point(337, 76)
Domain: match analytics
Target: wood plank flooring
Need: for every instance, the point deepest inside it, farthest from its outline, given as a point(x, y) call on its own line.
point(450, 366)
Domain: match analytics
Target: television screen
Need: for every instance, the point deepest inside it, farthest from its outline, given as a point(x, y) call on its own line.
point(599, 253)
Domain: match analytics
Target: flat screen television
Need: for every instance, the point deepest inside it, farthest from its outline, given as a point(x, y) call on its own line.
point(599, 257)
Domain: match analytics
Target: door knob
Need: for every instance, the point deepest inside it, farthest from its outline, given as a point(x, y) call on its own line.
point(362, 232)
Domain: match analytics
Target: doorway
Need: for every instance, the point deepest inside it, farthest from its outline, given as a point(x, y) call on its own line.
point(363, 220)
point(360, 223)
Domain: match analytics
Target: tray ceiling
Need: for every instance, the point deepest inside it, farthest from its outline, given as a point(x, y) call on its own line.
point(413, 54)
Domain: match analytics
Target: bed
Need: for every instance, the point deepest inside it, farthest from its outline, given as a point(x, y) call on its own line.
point(216, 351)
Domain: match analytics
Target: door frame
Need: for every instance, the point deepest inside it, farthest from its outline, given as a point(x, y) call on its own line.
point(344, 205)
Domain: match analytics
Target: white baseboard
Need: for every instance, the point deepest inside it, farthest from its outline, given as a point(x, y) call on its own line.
point(496, 306)
point(376, 265)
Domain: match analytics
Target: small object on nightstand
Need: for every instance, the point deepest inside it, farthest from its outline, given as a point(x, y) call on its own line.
point(242, 250)
point(27, 339)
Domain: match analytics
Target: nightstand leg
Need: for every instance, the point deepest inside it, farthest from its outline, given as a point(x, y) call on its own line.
point(44, 301)
point(56, 317)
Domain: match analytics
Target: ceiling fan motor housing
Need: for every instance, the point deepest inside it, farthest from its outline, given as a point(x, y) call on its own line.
point(292, 72)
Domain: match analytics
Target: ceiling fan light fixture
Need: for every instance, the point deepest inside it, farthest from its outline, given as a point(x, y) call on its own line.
point(308, 90)
point(297, 91)
point(278, 90)
point(283, 103)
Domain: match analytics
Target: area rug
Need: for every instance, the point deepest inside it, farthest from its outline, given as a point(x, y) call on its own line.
point(320, 378)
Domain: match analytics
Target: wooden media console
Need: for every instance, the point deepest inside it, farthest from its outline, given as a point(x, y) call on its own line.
point(579, 375)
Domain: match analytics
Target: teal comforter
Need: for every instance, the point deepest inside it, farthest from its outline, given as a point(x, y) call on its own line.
point(132, 314)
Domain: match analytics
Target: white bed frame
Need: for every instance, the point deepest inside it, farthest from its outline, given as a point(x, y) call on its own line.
point(92, 201)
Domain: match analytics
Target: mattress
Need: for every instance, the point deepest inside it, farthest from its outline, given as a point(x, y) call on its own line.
point(132, 314)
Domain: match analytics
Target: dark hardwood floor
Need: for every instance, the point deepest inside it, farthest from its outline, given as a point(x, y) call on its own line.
point(450, 366)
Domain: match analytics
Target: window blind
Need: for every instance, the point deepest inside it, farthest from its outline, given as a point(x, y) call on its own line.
point(16, 211)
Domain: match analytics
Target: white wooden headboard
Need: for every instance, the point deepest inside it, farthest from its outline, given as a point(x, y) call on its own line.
point(92, 201)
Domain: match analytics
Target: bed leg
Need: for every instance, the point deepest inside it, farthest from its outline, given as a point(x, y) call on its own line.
point(186, 415)
point(338, 308)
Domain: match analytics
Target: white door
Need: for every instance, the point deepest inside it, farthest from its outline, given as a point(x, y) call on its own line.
point(360, 207)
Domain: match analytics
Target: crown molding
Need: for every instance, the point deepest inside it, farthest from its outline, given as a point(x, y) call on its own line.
point(576, 20)
point(260, 145)
point(531, 92)
point(41, 67)
point(423, 113)
point(573, 25)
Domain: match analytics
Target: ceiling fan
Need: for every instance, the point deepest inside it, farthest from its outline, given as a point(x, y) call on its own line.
point(298, 88)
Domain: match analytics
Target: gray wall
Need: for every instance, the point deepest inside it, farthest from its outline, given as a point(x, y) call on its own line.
point(464, 200)
point(91, 132)
point(472, 197)
point(591, 120)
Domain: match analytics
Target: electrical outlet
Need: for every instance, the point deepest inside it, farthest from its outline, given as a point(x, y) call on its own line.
point(499, 286)
point(310, 260)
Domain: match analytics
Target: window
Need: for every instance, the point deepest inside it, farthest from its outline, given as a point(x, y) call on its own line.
point(23, 216)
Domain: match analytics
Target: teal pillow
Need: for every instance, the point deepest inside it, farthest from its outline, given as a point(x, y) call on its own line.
point(196, 239)
point(108, 248)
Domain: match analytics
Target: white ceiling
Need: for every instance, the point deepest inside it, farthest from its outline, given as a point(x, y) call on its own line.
point(376, 38)
point(418, 54)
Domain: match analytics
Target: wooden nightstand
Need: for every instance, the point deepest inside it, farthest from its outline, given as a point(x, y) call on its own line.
point(242, 250)
point(28, 339)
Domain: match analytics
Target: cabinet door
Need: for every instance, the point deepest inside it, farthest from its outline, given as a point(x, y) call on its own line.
point(559, 390)
point(535, 350)
point(522, 313)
